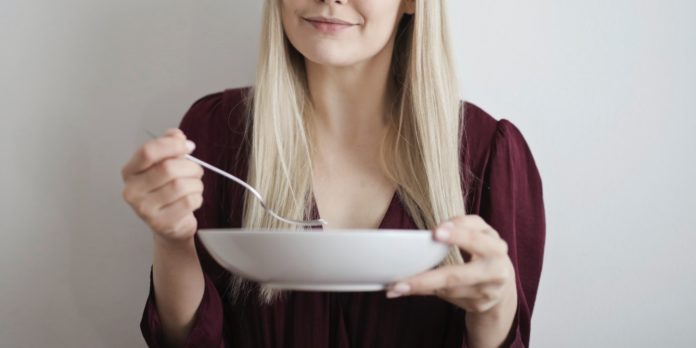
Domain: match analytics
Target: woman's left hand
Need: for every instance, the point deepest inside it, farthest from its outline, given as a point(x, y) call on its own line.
point(486, 281)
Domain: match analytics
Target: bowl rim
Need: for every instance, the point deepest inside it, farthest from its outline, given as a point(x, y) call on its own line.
point(317, 232)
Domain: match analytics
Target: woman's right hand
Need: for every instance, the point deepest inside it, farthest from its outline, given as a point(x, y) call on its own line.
point(164, 188)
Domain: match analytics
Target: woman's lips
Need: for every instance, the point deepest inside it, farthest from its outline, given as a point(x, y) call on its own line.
point(328, 25)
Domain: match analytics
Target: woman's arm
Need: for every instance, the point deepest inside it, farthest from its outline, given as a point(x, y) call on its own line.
point(484, 287)
point(179, 286)
point(491, 328)
point(498, 286)
point(184, 306)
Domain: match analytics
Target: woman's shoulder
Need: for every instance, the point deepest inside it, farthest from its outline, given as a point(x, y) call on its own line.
point(486, 138)
point(482, 131)
point(216, 123)
point(478, 133)
point(479, 128)
point(222, 111)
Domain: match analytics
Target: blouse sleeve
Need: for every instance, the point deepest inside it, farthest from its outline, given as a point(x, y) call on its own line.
point(207, 329)
point(512, 203)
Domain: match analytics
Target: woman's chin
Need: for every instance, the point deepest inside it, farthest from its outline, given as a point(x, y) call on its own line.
point(328, 54)
point(331, 60)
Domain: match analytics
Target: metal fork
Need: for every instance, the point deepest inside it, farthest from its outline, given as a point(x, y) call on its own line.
point(252, 190)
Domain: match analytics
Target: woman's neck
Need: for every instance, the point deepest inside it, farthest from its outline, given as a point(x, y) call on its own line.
point(351, 102)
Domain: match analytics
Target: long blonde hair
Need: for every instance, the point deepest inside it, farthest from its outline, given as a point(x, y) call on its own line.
point(422, 151)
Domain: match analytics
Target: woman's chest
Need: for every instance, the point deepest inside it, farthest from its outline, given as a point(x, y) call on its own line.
point(352, 194)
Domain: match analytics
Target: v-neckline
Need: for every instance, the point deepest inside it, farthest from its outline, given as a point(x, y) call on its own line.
point(314, 210)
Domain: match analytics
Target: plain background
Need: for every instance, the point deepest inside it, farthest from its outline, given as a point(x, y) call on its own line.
point(603, 92)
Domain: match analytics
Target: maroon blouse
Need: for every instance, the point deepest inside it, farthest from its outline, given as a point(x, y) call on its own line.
point(505, 189)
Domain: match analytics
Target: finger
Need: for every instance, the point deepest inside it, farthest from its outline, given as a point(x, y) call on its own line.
point(140, 185)
point(446, 277)
point(170, 193)
point(484, 292)
point(472, 235)
point(155, 151)
point(173, 213)
point(490, 291)
point(175, 132)
point(159, 175)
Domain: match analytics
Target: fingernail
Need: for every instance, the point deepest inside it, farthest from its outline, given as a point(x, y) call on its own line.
point(393, 294)
point(190, 145)
point(443, 232)
point(402, 288)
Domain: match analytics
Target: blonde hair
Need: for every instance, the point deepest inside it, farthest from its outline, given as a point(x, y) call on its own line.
point(421, 153)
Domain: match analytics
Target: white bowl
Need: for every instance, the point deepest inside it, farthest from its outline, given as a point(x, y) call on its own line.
point(324, 260)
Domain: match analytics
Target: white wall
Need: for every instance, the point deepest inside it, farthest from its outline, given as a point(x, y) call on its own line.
point(601, 90)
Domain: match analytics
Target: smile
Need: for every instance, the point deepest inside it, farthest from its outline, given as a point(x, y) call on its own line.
point(328, 25)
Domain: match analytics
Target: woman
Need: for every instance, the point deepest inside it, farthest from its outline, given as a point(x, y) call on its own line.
point(355, 117)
